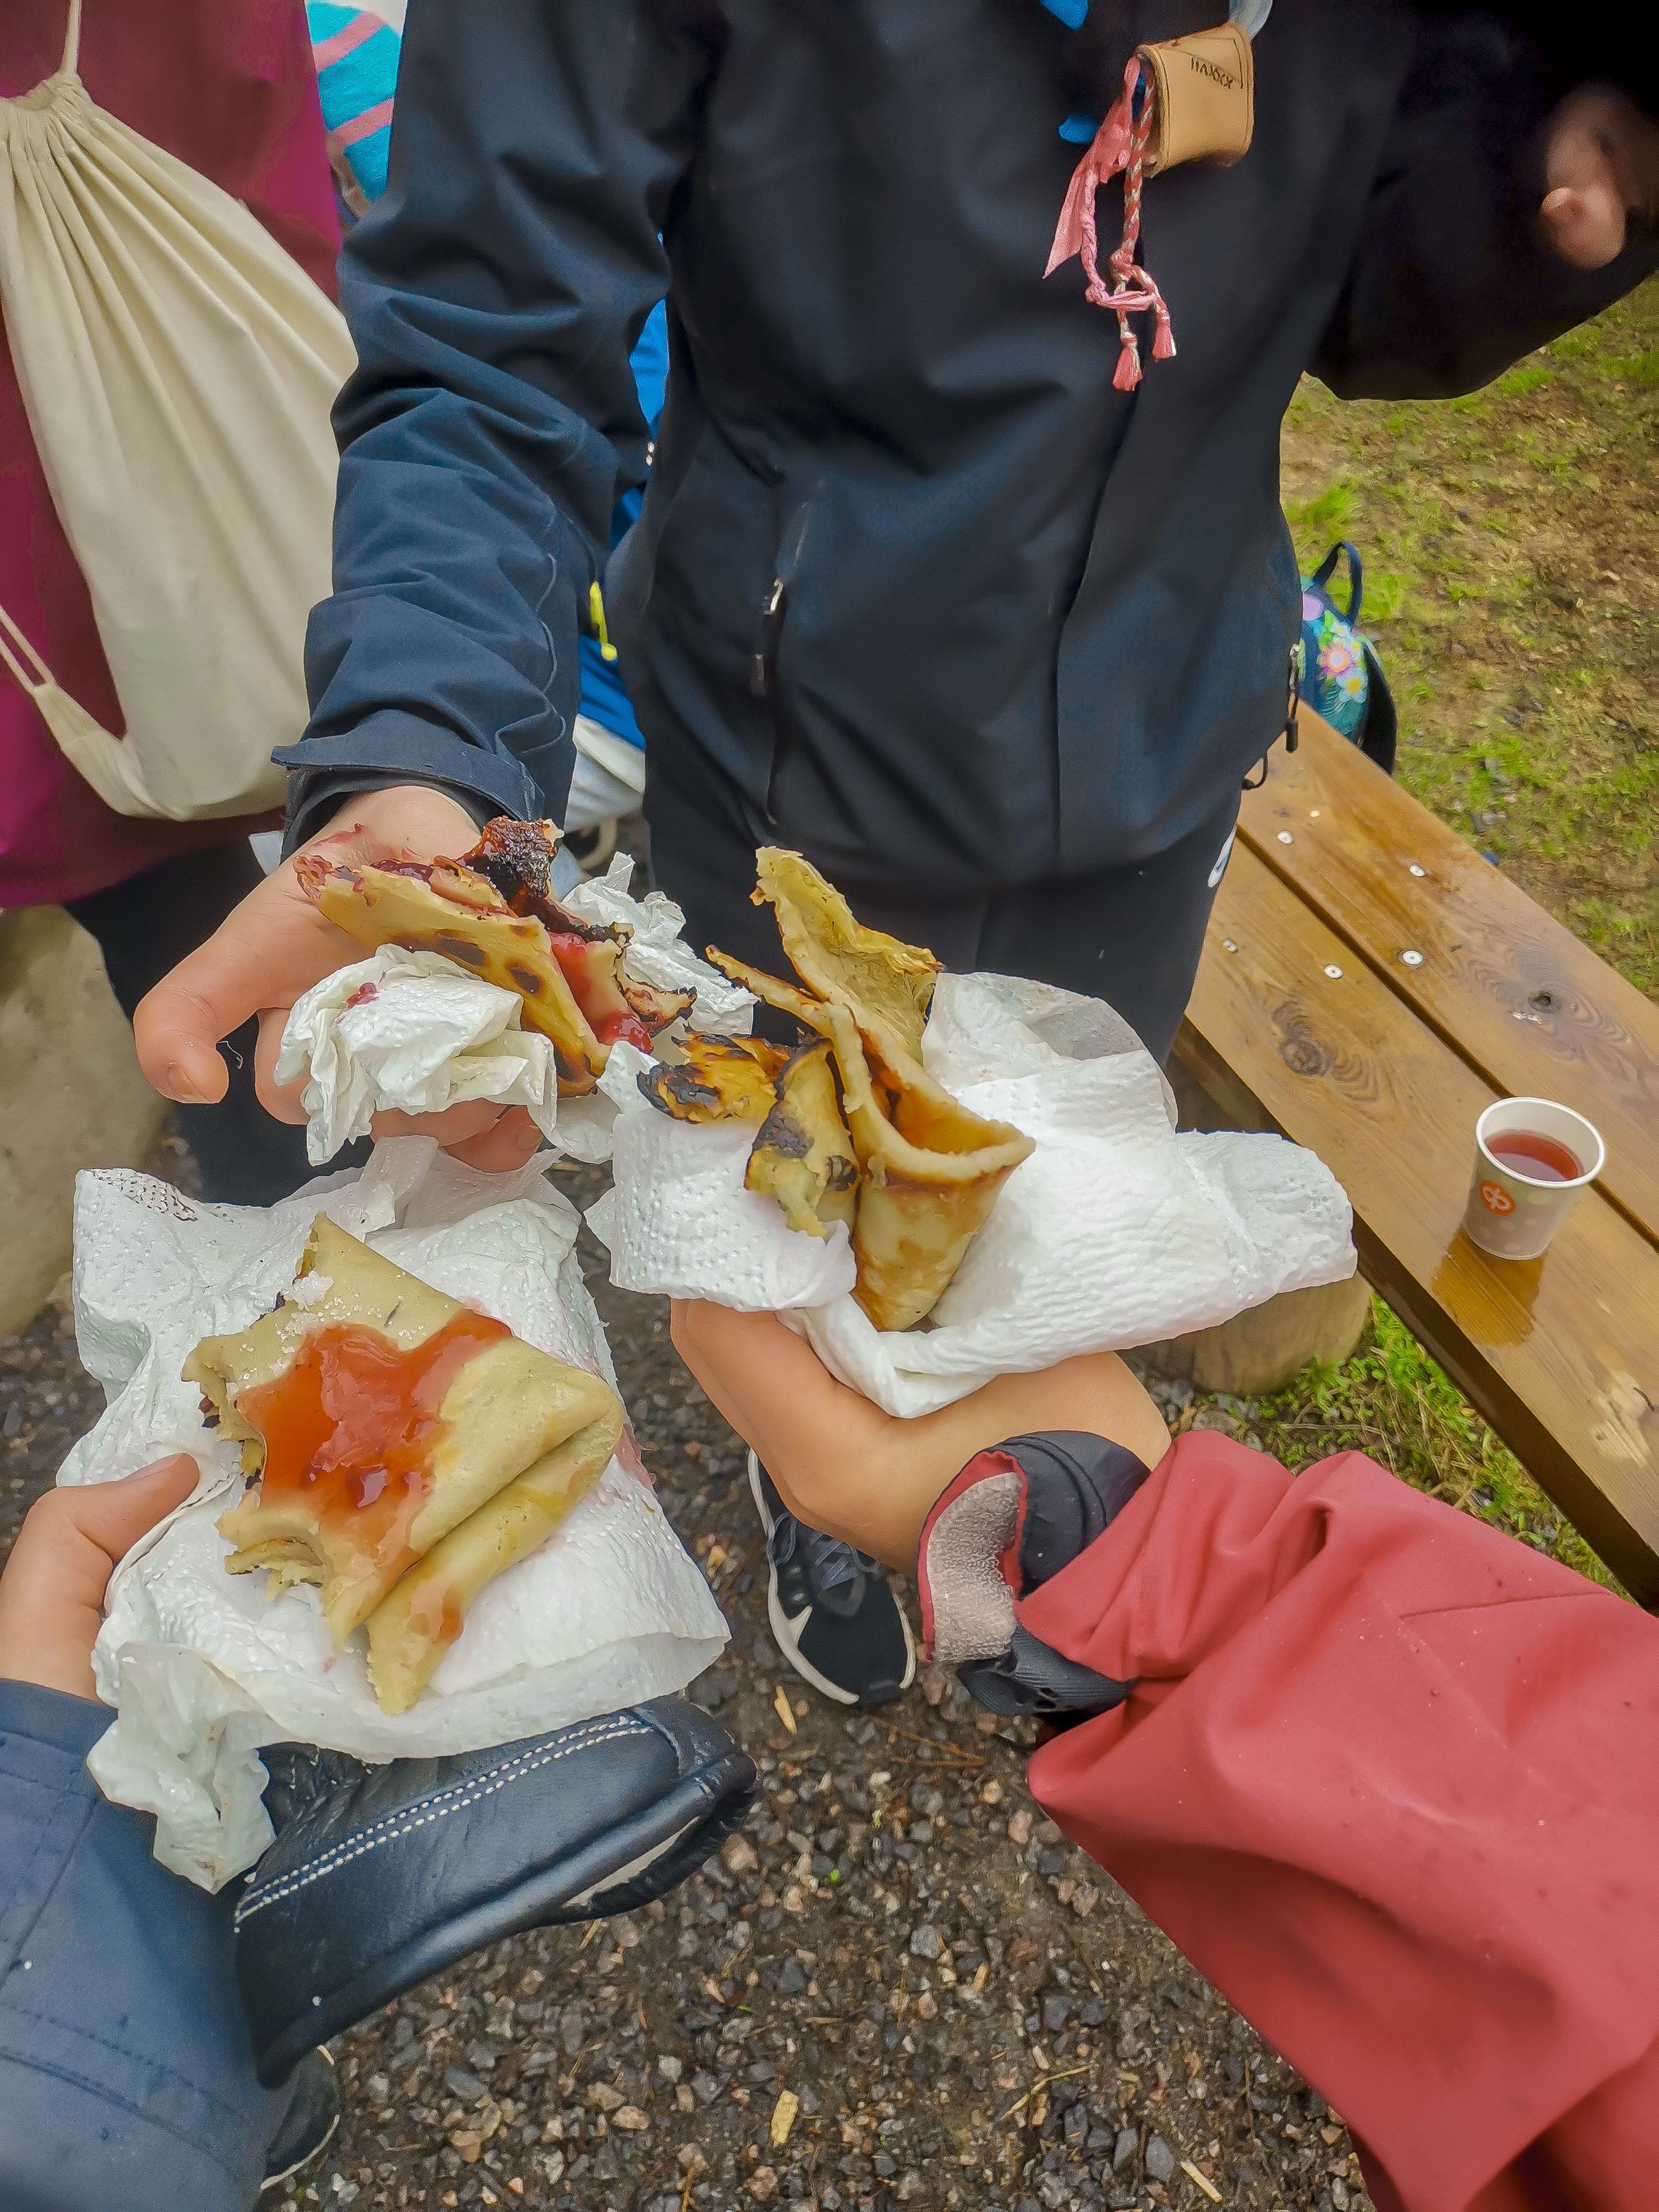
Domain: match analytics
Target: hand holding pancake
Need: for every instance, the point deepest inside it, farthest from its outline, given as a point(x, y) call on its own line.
point(51, 1594)
point(272, 948)
point(843, 1466)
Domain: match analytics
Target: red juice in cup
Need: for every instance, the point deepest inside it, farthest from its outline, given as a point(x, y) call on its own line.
point(1532, 1156)
point(1539, 1158)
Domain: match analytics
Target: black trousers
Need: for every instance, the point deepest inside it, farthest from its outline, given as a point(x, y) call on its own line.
point(1130, 936)
point(143, 927)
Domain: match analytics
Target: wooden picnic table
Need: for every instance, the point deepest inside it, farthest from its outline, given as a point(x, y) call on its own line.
point(1370, 984)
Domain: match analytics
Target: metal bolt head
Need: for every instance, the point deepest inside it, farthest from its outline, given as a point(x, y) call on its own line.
point(1227, 944)
point(1286, 838)
point(1415, 869)
point(1412, 959)
point(1333, 972)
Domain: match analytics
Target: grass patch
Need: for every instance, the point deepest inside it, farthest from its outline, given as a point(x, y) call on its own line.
point(1513, 595)
point(1640, 369)
point(1527, 378)
point(1319, 521)
point(1395, 1403)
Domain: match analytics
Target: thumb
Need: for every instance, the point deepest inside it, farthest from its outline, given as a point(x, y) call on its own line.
point(51, 1594)
point(113, 1516)
point(266, 953)
point(1585, 223)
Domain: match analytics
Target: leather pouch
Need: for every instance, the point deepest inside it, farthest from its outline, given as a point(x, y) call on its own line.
point(1205, 106)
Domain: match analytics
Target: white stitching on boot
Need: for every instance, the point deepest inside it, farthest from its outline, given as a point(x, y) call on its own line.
point(427, 1810)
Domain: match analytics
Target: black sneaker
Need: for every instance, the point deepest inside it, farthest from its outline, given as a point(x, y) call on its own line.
point(835, 1620)
point(309, 2126)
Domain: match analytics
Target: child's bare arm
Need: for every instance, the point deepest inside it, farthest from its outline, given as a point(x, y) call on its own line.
point(847, 1468)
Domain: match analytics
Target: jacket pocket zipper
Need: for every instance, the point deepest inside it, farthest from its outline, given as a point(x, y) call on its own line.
point(763, 667)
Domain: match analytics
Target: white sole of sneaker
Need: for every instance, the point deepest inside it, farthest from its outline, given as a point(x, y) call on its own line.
point(786, 1633)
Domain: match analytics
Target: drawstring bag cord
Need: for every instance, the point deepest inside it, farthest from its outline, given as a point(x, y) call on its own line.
point(1119, 147)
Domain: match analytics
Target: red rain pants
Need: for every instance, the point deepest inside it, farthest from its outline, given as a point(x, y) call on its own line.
point(1391, 1781)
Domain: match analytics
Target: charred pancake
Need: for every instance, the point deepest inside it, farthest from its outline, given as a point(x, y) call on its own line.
point(803, 1156)
point(930, 1168)
point(492, 912)
point(437, 910)
point(719, 1079)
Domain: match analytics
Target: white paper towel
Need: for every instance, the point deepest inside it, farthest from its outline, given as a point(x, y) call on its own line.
point(414, 1033)
point(1115, 1232)
point(202, 1666)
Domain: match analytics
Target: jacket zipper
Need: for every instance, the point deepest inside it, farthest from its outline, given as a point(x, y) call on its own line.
point(764, 666)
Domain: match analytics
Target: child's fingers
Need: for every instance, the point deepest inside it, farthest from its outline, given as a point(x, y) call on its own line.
point(51, 1594)
point(110, 1517)
point(504, 1146)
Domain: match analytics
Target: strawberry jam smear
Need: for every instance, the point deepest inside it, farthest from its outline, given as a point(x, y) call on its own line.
point(515, 858)
point(353, 1423)
point(626, 1027)
point(589, 966)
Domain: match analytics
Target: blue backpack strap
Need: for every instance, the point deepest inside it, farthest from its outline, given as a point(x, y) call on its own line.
point(1322, 574)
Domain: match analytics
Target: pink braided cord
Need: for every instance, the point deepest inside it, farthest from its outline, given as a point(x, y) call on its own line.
point(1120, 145)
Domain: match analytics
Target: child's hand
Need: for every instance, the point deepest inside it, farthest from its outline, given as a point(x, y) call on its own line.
point(1603, 166)
point(844, 1467)
point(274, 946)
point(51, 1594)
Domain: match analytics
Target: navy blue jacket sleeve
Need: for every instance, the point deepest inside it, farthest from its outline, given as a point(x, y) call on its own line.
point(494, 294)
point(1452, 279)
point(126, 2078)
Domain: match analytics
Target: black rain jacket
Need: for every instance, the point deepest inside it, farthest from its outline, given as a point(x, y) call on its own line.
point(950, 611)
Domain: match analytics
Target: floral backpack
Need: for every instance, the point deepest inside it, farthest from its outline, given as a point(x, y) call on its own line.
point(1341, 677)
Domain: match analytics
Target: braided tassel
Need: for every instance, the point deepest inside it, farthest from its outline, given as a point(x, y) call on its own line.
point(1120, 145)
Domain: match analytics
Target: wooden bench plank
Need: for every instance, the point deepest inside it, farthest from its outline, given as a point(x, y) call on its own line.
point(1561, 1355)
point(1518, 997)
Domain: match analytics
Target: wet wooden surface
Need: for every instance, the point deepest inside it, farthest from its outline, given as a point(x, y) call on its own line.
point(1517, 996)
point(1561, 1355)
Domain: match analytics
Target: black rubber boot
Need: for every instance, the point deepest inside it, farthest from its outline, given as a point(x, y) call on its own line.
point(381, 1876)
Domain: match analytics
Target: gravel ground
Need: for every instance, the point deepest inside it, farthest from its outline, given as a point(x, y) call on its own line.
point(898, 1985)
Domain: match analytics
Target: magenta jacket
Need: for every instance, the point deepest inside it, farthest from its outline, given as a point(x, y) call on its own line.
point(227, 86)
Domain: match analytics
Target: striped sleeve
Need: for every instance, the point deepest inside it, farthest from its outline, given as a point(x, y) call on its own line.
point(357, 55)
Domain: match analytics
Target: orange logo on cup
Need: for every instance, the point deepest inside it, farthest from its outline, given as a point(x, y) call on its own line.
point(1496, 1198)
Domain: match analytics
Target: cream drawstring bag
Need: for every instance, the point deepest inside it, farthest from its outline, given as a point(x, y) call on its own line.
point(178, 368)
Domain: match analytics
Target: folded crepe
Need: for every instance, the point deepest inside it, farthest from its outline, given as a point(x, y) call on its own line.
point(493, 912)
point(803, 1155)
point(925, 1171)
point(398, 1437)
point(929, 1168)
point(886, 984)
